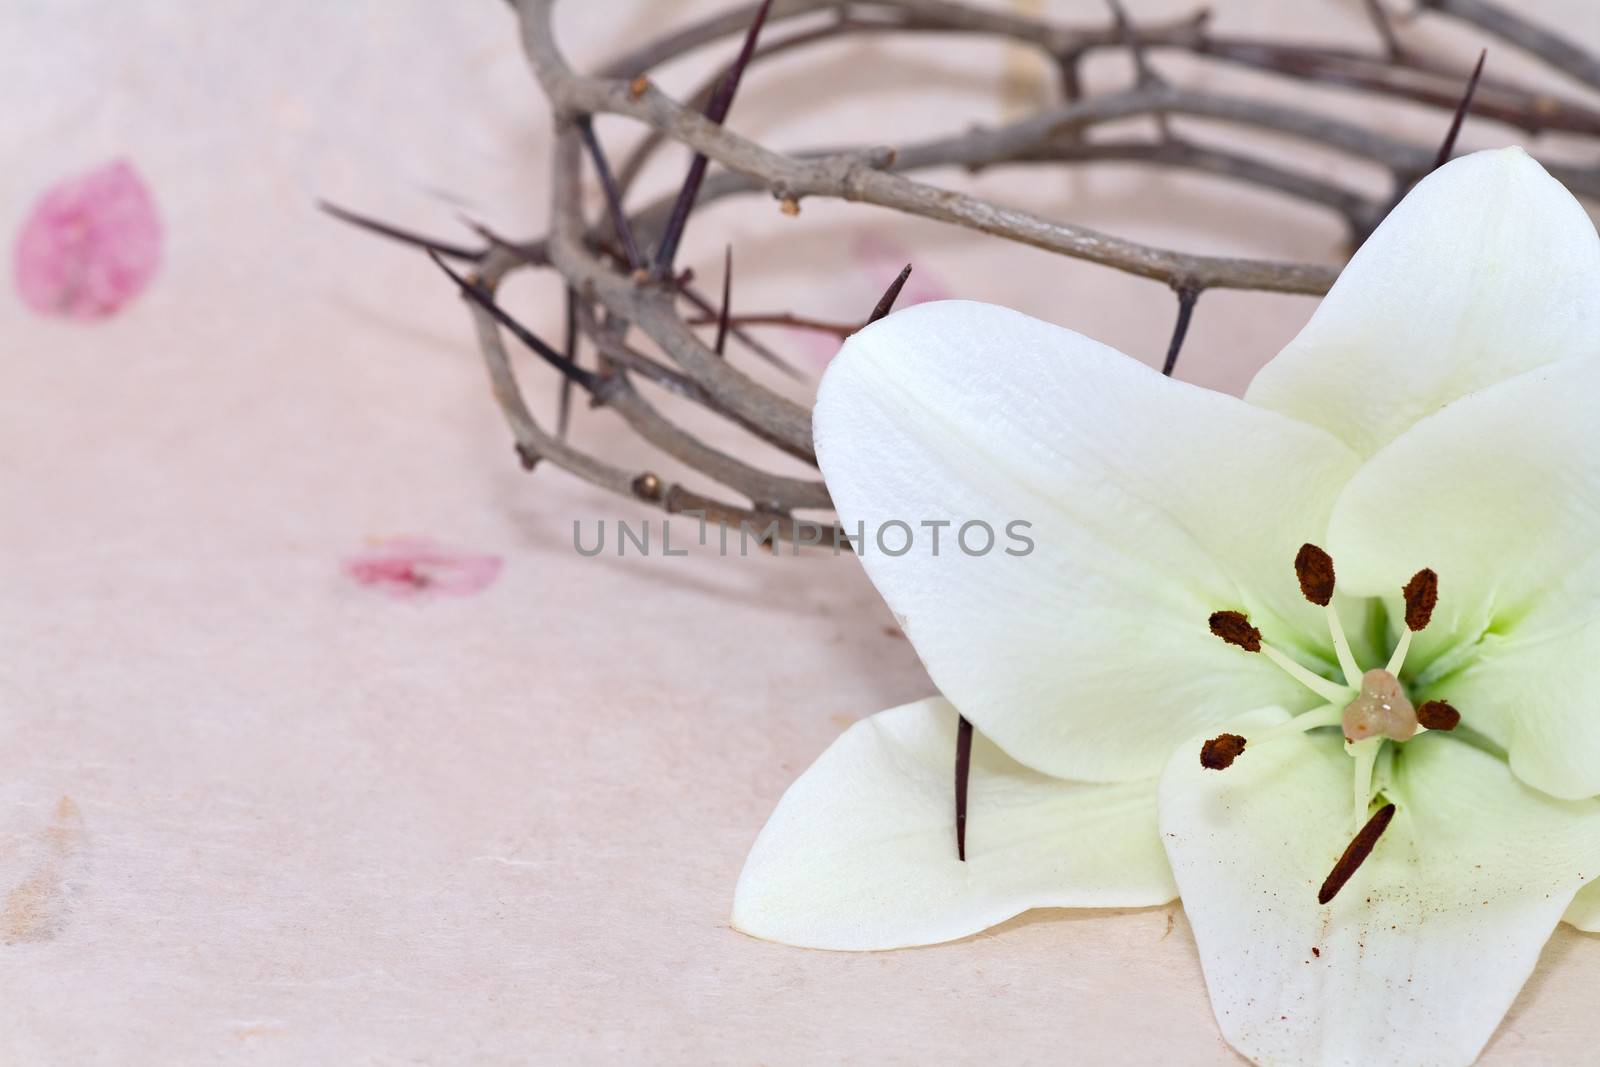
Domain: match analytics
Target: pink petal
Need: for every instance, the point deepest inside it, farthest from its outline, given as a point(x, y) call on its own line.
point(878, 260)
point(413, 567)
point(92, 243)
point(881, 259)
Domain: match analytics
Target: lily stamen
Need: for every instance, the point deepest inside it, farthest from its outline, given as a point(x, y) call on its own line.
point(1372, 708)
point(1327, 715)
point(1355, 854)
point(1365, 754)
point(1421, 595)
point(1234, 627)
point(1398, 658)
point(1438, 715)
point(1219, 753)
point(1315, 682)
point(1314, 568)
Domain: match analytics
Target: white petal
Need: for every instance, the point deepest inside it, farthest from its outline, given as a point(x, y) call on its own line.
point(1152, 503)
point(1585, 910)
point(1487, 269)
point(1420, 955)
point(861, 851)
point(1500, 495)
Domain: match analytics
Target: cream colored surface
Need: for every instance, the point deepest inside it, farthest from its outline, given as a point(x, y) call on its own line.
point(252, 812)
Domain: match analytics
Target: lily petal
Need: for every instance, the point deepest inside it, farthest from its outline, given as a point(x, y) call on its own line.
point(1500, 495)
point(1149, 504)
point(1585, 910)
point(1489, 268)
point(861, 851)
point(1420, 955)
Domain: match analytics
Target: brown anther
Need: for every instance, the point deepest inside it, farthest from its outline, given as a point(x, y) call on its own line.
point(638, 87)
point(789, 206)
point(1438, 715)
point(1219, 753)
point(1421, 593)
point(1234, 627)
point(647, 486)
point(1314, 568)
point(1356, 853)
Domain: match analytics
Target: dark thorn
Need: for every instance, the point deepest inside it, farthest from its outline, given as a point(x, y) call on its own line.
point(613, 194)
point(1421, 595)
point(722, 100)
point(739, 334)
point(890, 295)
point(527, 456)
point(1381, 23)
point(1404, 181)
point(1145, 74)
point(727, 301)
point(1356, 853)
point(716, 111)
point(1234, 627)
point(963, 772)
point(476, 293)
point(1219, 753)
point(394, 233)
point(1438, 715)
point(564, 403)
point(1180, 329)
point(1314, 568)
point(486, 233)
point(668, 248)
point(1461, 114)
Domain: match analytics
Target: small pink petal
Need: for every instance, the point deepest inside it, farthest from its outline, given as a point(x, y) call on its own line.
point(878, 262)
point(92, 243)
point(881, 259)
point(413, 567)
point(815, 344)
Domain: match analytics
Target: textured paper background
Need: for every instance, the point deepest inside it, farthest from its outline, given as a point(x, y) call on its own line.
point(253, 811)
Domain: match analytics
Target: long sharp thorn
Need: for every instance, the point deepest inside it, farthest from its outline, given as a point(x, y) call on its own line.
point(725, 315)
point(476, 293)
point(698, 299)
point(485, 232)
point(963, 773)
point(721, 100)
point(1180, 329)
point(564, 403)
point(716, 111)
point(1461, 114)
point(394, 233)
point(1381, 23)
point(885, 302)
point(1141, 63)
point(613, 193)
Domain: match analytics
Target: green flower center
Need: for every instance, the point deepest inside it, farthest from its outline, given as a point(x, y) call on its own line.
point(1371, 707)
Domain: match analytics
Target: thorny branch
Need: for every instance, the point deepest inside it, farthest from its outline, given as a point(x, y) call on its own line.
point(625, 302)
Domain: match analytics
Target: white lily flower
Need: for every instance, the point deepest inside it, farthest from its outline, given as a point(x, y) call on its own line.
point(1432, 430)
